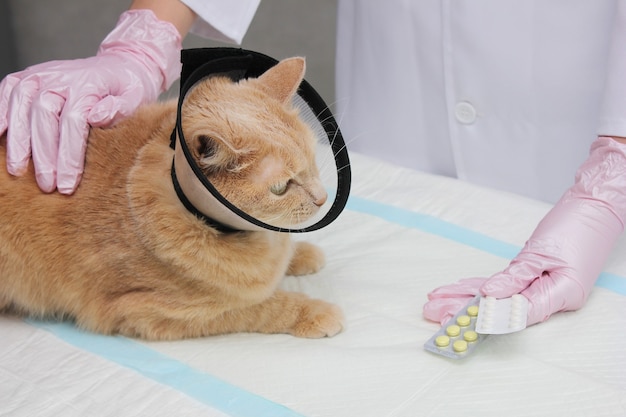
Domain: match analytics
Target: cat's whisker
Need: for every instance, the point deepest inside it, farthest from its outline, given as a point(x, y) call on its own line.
point(343, 167)
point(328, 159)
point(298, 217)
point(327, 108)
point(317, 126)
point(278, 219)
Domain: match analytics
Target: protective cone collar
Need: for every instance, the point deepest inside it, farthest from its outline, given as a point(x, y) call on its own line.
point(195, 190)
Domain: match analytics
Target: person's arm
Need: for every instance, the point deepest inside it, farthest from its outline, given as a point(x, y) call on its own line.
point(222, 20)
point(560, 263)
point(173, 11)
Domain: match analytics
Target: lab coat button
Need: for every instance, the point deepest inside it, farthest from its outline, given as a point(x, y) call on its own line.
point(465, 113)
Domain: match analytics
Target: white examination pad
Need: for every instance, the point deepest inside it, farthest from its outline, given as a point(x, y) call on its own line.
point(403, 234)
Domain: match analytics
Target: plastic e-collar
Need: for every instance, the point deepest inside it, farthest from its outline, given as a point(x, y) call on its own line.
point(193, 188)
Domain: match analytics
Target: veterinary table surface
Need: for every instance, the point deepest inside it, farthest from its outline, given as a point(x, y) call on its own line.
point(402, 234)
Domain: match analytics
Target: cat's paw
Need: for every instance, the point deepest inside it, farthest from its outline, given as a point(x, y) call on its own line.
point(307, 259)
point(318, 319)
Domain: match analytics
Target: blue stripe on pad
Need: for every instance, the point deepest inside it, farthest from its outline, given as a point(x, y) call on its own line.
point(151, 364)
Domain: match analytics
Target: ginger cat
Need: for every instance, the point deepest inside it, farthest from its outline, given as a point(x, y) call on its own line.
point(123, 255)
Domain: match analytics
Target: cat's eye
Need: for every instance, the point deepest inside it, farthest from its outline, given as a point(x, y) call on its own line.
point(279, 189)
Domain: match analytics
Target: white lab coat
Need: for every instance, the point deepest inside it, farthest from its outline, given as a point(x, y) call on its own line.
point(503, 93)
point(225, 21)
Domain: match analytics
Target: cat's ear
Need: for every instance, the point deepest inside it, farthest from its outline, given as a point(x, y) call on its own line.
point(215, 154)
point(283, 79)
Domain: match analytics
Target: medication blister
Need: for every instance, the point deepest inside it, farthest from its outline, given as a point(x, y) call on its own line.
point(471, 325)
point(458, 337)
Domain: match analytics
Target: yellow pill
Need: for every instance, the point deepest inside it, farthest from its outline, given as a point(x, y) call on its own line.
point(463, 321)
point(459, 346)
point(470, 336)
point(442, 341)
point(472, 311)
point(453, 331)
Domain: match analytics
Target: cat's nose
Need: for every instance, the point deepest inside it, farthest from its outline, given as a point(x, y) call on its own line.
point(320, 199)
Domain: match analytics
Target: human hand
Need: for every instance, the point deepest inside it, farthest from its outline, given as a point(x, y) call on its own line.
point(47, 109)
point(560, 263)
point(445, 301)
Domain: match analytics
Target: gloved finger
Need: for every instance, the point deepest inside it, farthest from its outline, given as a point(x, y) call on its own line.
point(443, 309)
point(503, 285)
point(73, 133)
point(6, 88)
point(46, 110)
point(551, 294)
point(445, 301)
point(518, 276)
point(18, 129)
point(467, 287)
point(112, 108)
point(536, 258)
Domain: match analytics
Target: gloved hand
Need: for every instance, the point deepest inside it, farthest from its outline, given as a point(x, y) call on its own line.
point(561, 261)
point(47, 109)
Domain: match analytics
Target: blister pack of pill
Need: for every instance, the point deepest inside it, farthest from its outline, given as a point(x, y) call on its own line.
point(471, 325)
point(458, 337)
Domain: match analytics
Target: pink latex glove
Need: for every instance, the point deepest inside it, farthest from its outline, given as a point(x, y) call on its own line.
point(561, 261)
point(47, 109)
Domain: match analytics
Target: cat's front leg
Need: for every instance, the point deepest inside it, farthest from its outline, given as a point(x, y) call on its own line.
point(283, 312)
point(307, 259)
point(286, 312)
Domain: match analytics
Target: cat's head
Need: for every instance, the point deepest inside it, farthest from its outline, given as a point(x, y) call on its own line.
point(249, 140)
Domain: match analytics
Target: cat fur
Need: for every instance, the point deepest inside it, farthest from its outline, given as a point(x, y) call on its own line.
point(122, 255)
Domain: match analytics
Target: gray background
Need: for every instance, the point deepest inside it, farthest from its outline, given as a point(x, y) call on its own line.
point(34, 31)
